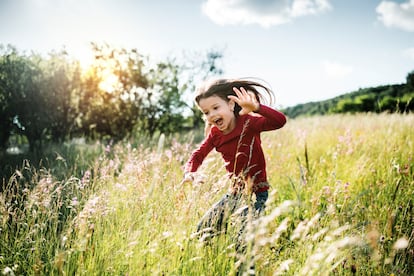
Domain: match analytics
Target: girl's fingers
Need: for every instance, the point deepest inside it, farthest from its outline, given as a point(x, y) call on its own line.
point(237, 91)
point(253, 97)
point(234, 98)
point(242, 94)
point(246, 99)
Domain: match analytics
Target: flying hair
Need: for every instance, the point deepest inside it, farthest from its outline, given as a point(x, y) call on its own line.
point(224, 87)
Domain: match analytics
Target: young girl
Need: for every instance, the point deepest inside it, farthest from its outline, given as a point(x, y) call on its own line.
point(234, 119)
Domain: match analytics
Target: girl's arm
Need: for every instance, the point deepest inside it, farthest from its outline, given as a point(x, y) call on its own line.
point(270, 119)
point(197, 157)
point(196, 160)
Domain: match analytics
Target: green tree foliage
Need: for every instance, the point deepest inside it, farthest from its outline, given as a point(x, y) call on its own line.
point(9, 72)
point(59, 85)
point(410, 82)
point(164, 106)
point(37, 96)
point(110, 100)
point(386, 98)
point(20, 97)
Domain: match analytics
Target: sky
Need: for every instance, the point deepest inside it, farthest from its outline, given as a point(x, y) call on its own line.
point(306, 50)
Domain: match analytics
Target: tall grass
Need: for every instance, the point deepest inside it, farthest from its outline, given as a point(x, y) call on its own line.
point(341, 203)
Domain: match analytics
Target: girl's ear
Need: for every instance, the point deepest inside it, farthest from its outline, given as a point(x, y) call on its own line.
point(232, 104)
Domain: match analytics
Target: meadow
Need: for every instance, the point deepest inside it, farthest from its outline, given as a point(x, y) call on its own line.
point(341, 203)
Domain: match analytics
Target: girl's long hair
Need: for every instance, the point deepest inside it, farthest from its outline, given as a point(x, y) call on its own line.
point(224, 88)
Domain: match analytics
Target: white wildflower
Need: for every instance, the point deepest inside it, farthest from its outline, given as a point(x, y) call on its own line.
point(401, 243)
point(167, 234)
point(283, 267)
point(8, 271)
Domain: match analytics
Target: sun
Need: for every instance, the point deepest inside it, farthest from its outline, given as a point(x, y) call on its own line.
point(85, 57)
point(109, 81)
point(81, 52)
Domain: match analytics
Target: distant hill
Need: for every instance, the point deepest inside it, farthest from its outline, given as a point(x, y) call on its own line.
point(385, 98)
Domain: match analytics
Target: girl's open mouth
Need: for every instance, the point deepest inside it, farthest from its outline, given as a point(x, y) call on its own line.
point(218, 122)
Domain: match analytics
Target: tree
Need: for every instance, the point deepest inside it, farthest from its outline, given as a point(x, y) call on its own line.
point(366, 103)
point(59, 85)
point(410, 82)
point(6, 122)
point(110, 101)
point(23, 106)
point(347, 105)
point(163, 106)
point(37, 96)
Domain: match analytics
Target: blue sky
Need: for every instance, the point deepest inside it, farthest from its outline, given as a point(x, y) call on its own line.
point(307, 50)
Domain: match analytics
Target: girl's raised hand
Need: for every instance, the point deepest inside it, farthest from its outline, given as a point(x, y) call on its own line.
point(246, 100)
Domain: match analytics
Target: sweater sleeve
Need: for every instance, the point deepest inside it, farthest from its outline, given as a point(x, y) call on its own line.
point(270, 119)
point(197, 157)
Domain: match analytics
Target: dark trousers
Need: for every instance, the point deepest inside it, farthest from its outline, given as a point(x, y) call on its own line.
point(216, 219)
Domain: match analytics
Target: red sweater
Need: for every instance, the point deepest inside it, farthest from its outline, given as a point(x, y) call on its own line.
point(241, 148)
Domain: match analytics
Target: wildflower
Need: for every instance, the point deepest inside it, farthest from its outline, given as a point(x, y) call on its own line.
point(346, 185)
point(130, 168)
point(346, 190)
point(304, 227)
point(153, 247)
point(284, 207)
point(85, 179)
point(108, 148)
point(299, 230)
point(121, 187)
point(283, 227)
point(167, 234)
point(111, 164)
point(195, 259)
point(74, 202)
point(45, 184)
point(283, 267)
point(8, 271)
point(320, 234)
point(64, 239)
point(401, 243)
point(337, 232)
point(169, 154)
point(405, 170)
point(327, 190)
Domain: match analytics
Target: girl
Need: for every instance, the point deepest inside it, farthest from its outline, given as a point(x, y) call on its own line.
point(234, 119)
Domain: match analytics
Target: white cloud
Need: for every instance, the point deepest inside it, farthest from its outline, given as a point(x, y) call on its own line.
point(305, 7)
point(409, 53)
point(401, 16)
point(336, 70)
point(264, 12)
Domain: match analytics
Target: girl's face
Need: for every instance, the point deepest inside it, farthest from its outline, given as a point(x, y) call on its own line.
point(219, 113)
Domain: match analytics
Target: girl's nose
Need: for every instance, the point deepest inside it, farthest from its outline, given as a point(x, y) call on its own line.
point(210, 114)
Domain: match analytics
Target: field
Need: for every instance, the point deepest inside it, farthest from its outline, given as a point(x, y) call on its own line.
point(341, 203)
